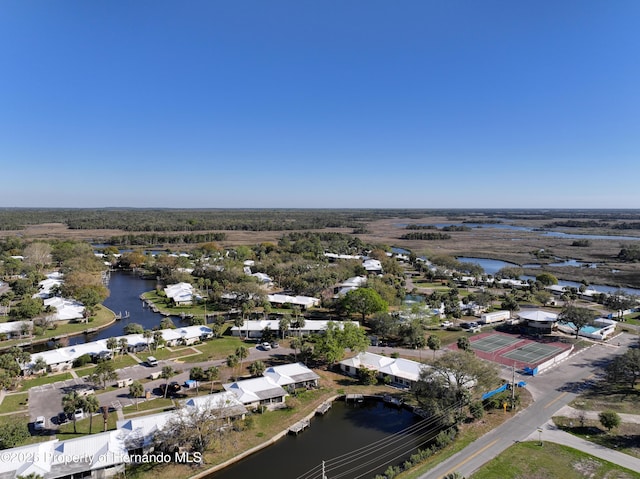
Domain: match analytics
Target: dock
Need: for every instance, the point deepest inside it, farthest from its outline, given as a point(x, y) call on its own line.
point(354, 397)
point(299, 426)
point(323, 408)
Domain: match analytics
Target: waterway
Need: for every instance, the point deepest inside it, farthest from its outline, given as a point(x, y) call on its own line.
point(492, 266)
point(125, 290)
point(355, 441)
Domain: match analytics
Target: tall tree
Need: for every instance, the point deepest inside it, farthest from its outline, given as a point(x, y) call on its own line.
point(577, 317)
point(91, 406)
point(70, 403)
point(147, 334)
point(433, 343)
point(136, 389)
point(256, 368)
point(363, 301)
point(166, 374)
point(104, 371)
point(212, 373)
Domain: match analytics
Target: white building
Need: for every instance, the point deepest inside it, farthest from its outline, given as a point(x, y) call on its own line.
point(292, 376)
point(181, 293)
point(401, 372)
point(254, 328)
point(304, 302)
point(258, 392)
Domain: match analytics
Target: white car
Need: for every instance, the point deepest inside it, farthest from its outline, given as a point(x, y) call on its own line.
point(78, 414)
point(266, 346)
point(40, 423)
point(447, 324)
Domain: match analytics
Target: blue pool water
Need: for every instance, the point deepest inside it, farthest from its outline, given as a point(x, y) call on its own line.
point(584, 329)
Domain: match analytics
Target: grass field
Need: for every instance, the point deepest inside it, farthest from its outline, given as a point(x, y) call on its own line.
point(51, 378)
point(14, 402)
point(528, 460)
point(82, 426)
point(622, 439)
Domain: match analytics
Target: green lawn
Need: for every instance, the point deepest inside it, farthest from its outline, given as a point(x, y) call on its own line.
point(529, 460)
point(218, 348)
point(51, 378)
point(143, 405)
point(82, 426)
point(119, 362)
point(165, 353)
point(102, 317)
point(622, 439)
point(14, 402)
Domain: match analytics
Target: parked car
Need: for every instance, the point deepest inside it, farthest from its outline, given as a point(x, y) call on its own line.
point(78, 414)
point(40, 423)
point(465, 325)
point(62, 418)
point(172, 388)
point(274, 345)
point(446, 324)
point(86, 391)
point(151, 361)
point(266, 346)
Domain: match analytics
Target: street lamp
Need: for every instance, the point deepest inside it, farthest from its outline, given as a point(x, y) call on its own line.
point(540, 436)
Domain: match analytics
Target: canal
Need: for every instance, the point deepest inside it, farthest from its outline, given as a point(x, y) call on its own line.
point(354, 441)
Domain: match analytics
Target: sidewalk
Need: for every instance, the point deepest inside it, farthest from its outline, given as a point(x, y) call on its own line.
point(568, 411)
point(552, 434)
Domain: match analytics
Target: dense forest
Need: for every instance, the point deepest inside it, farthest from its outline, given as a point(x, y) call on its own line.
point(165, 219)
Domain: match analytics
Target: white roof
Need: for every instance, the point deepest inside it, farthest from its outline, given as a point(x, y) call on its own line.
point(103, 450)
point(305, 301)
point(399, 367)
point(39, 454)
point(256, 389)
point(274, 325)
point(66, 309)
point(138, 431)
point(372, 265)
point(538, 315)
point(13, 326)
point(290, 374)
point(262, 277)
point(342, 256)
point(69, 353)
point(355, 281)
point(179, 292)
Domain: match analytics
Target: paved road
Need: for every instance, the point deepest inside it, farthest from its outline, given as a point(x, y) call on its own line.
point(551, 391)
point(46, 400)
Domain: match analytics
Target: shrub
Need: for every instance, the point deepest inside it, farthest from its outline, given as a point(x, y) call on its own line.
point(81, 361)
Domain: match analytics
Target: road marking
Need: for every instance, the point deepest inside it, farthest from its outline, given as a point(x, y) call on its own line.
point(556, 399)
point(471, 457)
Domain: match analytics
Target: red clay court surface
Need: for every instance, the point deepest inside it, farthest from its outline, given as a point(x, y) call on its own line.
point(514, 350)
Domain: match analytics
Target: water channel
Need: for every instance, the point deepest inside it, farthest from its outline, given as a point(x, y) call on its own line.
point(344, 428)
point(492, 266)
point(355, 441)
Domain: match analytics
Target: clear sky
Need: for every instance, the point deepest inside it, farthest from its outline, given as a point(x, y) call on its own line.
point(327, 103)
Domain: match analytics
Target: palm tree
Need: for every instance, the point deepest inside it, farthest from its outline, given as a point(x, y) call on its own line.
point(256, 368)
point(123, 344)
point(167, 373)
point(212, 373)
point(242, 353)
point(70, 403)
point(91, 406)
point(285, 324)
point(232, 362)
point(147, 334)
point(112, 344)
point(197, 374)
point(157, 339)
point(136, 390)
point(40, 365)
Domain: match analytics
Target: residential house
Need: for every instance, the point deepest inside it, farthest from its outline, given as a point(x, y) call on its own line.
point(258, 393)
point(292, 376)
point(398, 371)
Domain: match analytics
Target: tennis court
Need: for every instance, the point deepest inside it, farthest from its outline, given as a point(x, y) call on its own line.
point(494, 342)
point(533, 353)
point(516, 350)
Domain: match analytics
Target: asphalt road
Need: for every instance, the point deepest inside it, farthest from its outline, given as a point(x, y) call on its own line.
point(46, 400)
point(551, 391)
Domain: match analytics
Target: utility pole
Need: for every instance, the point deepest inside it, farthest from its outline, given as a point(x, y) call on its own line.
point(513, 388)
point(323, 474)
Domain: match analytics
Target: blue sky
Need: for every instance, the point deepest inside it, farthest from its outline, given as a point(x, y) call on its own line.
point(408, 104)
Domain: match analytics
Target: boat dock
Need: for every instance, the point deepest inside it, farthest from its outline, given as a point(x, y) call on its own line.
point(299, 426)
point(323, 408)
point(354, 397)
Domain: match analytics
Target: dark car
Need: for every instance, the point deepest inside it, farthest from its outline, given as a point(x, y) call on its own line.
point(62, 418)
point(172, 388)
point(465, 325)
